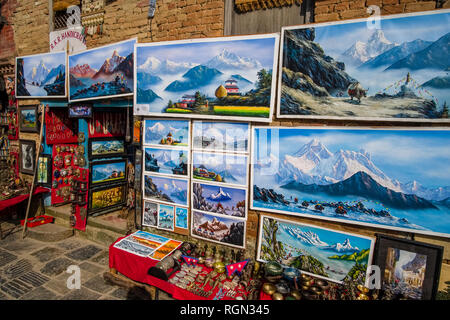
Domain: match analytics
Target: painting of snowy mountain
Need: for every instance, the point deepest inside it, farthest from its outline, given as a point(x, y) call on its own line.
point(102, 72)
point(166, 132)
point(394, 179)
point(321, 252)
point(213, 78)
point(350, 70)
point(165, 189)
point(221, 136)
point(41, 75)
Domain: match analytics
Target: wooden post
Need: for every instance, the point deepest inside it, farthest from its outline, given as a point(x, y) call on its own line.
point(36, 164)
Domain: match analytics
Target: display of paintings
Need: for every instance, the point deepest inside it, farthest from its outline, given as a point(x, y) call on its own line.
point(107, 172)
point(102, 72)
point(181, 218)
point(221, 136)
point(44, 173)
point(388, 178)
point(220, 168)
point(219, 199)
point(107, 197)
point(106, 148)
point(409, 269)
point(228, 78)
point(321, 252)
point(150, 214)
point(167, 161)
point(160, 132)
point(27, 155)
point(217, 228)
point(41, 76)
point(134, 247)
point(165, 189)
point(29, 119)
point(166, 217)
point(346, 70)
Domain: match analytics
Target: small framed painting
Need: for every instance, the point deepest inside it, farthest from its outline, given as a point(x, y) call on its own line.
point(106, 148)
point(150, 214)
point(27, 156)
point(409, 269)
point(44, 175)
point(80, 111)
point(28, 119)
point(104, 198)
point(181, 218)
point(166, 217)
point(107, 172)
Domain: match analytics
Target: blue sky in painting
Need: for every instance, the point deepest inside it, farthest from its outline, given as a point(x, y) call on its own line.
point(236, 194)
point(335, 39)
point(406, 155)
point(96, 58)
point(51, 61)
point(260, 49)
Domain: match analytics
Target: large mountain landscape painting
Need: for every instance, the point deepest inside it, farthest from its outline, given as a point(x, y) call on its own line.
point(41, 75)
point(350, 70)
point(215, 78)
point(318, 251)
point(102, 72)
point(394, 179)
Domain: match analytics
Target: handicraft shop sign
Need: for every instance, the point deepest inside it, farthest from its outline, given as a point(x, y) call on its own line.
point(395, 179)
point(228, 78)
point(354, 70)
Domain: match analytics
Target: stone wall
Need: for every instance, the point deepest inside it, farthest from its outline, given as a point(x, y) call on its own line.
point(7, 45)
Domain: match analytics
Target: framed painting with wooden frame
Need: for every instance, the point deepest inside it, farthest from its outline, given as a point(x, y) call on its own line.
point(106, 198)
point(29, 119)
point(107, 172)
point(106, 148)
point(409, 269)
point(27, 155)
point(44, 174)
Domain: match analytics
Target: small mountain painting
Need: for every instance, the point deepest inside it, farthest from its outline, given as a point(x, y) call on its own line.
point(102, 72)
point(353, 176)
point(216, 78)
point(42, 75)
point(170, 133)
point(221, 136)
point(321, 252)
point(347, 70)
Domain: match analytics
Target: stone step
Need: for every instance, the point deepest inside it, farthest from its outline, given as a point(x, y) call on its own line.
point(49, 232)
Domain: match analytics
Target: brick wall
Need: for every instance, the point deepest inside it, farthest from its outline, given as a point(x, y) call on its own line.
point(7, 46)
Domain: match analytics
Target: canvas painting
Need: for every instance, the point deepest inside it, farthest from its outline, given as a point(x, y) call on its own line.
point(213, 78)
point(165, 217)
point(102, 72)
point(27, 156)
point(29, 121)
point(220, 168)
point(317, 251)
point(167, 161)
point(220, 229)
point(166, 249)
point(166, 189)
point(150, 214)
point(166, 132)
point(105, 148)
point(44, 174)
point(221, 136)
point(41, 75)
point(108, 171)
point(395, 71)
point(134, 248)
point(105, 198)
point(150, 236)
point(396, 179)
point(219, 199)
point(181, 218)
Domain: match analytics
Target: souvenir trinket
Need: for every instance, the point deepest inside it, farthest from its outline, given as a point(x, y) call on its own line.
point(269, 288)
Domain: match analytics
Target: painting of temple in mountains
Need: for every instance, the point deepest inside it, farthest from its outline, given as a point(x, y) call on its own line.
point(220, 168)
point(217, 78)
point(347, 70)
point(41, 75)
point(394, 179)
point(166, 161)
point(102, 72)
point(166, 132)
point(223, 230)
point(317, 251)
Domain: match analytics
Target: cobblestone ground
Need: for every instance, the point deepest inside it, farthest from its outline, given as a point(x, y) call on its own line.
point(36, 270)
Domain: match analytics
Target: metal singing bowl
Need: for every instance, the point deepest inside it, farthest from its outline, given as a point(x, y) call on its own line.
point(269, 288)
point(277, 296)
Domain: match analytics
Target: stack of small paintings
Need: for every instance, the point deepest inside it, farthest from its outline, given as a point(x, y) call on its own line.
point(220, 170)
point(317, 251)
point(148, 245)
point(229, 78)
point(166, 161)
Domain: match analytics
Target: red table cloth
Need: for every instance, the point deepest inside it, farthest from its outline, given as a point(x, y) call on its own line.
point(4, 204)
point(136, 267)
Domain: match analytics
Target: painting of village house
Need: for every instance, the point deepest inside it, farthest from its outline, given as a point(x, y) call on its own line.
point(350, 70)
point(207, 78)
point(223, 230)
point(170, 133)
point(102, 72)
